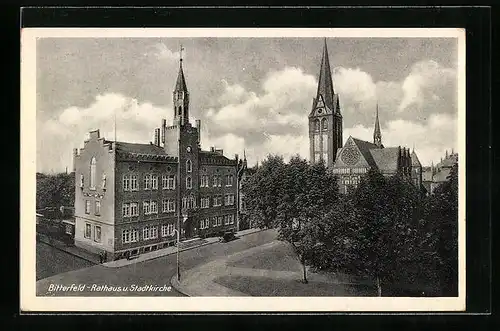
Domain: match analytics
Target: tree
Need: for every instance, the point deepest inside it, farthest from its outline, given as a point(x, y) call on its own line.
point(55, 190)
point(263, 191)
point(442, 209)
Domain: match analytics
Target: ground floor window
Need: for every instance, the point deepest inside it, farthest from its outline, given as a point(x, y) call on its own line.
point(88, 231)
point(97, 234)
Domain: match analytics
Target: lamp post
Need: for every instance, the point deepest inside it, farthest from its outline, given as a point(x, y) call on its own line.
point(178, 232)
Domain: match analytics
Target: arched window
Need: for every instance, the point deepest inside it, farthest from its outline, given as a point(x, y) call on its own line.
point(189, 182)
point(92, 173)
point(179, 110)
point(316, 125)
point(324, 124)
point(189, 166)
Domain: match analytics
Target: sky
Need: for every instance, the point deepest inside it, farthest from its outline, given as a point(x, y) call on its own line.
point(251, 94)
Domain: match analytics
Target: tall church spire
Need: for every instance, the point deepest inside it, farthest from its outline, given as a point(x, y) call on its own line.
point(377, 135)
point(181, 96)
point(325, 85)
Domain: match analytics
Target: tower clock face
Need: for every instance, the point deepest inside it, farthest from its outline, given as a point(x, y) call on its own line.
point(350, 156)
point(320, 110)
point(188, 149)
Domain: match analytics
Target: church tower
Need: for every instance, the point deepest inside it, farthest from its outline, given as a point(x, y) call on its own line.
point(377, 135)
point(181, 97)
point(325, 119)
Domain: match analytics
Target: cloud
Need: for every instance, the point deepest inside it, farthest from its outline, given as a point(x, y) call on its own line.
point(161, 51)
point(425, 81)
point(135, 122)
point(431, 139)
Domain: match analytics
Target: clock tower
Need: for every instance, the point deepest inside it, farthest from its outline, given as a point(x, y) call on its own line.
point(325, 119)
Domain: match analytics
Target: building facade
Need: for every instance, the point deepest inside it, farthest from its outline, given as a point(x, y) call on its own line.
point(325, 119)
point(131, 198)
point(435, 175)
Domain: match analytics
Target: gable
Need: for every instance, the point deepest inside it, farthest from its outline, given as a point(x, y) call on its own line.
point(320, 108)
point(351, 156)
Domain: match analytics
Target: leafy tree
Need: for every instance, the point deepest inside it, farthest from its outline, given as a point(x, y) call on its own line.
point(263, 191)
point(442, 209)
point(55, 190)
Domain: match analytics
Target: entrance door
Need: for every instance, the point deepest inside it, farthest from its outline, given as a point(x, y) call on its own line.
point(190, 228)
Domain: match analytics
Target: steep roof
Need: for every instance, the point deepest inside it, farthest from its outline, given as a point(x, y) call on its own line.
point(386, 159)
point(427, 175)
point(204, 155)
point(377, 135)
point(180, 85)
point(414, 160)
point(325, 84)
point(449, 161)
point(365, 147)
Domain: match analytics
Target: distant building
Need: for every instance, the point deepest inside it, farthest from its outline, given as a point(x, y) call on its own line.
point(434, 176)
point(130, 198)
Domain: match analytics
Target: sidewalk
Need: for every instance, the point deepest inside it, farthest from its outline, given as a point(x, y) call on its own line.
point(172, 250)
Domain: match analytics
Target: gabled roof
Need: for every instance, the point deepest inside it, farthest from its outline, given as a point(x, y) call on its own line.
point(427, 175)
point(414, 160)
point(365, 147)
point(386, 159)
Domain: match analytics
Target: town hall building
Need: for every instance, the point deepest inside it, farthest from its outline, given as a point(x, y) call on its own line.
point(130, 198)
point(356, 157)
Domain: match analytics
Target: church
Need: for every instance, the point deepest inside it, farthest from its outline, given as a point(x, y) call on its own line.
point(356, 157)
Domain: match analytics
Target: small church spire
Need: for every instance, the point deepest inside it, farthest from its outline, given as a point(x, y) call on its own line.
point(181, 95)
point(377, 135)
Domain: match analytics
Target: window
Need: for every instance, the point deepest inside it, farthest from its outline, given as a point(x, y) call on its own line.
point(214, 221)
point(219, 179)
point(189, 166)
point(134, 209)
point(97, 210)
point(205, 202)
point(135, 235)
point(97, 234)
point(215, 181)
point(145, 207)
point(231, 219)
point(154, 182)
point(170, 182)
point(229, 199)
point(145, 233)
point(133, 183)
point(316, 125)
point(188, 202)
point(88, 230)
point(325, 143)
point(219, 220)
point(184, 203)
point(153, 234)
point(147, 181)
point(103, 185)
point(164, 181)
point(167, 230)
point(126, 210)
point(92, 173)
point(170, 205)
point(226, 219)
point(204, 181)
point(189, 183)
point(126, 234)
point(204, 223)
point(217, 201)
point(81, 181)
point(229, 180)
point(87, 207)
point(153, 207)
point(324, 124)
point(126, 182)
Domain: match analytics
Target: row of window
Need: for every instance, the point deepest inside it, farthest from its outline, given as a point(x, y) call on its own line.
point(88, 232)
point(216, 221)
point(130, 182)
point(97, 207)
point(324, 124)
point(350, 180)
point(216, 181)
point(148, 232)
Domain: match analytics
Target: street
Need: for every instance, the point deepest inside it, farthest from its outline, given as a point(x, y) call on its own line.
point(156, 273)
point(52, 261)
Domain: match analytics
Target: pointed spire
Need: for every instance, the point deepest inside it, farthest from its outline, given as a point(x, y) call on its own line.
point(325, 84)
point(244, 155)
point(180, 85)
point(377, 135)
point(446, 154)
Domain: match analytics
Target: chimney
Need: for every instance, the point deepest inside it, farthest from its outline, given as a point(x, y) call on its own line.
point(198, 125)
point(163, 126)
point(157, 137)
point(212, 149)
point(75, 154)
